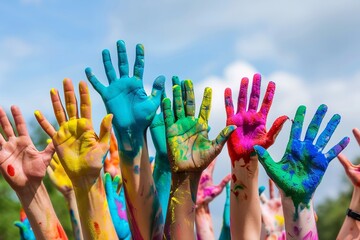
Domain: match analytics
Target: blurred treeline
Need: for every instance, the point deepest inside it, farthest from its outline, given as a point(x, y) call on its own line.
point(331, 212)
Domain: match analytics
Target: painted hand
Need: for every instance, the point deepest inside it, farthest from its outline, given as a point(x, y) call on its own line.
point(207, 191)
point(303, 165)
point(187, 136)
point(352, 171)
point(117, 206)
point(112, 161)
point(21, 164)
point(125, 97)
point(59, 177)
point(251, 125)
point(78, 147)
point(26, 232)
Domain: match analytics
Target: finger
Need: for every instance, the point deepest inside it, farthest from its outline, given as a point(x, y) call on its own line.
point(178, 103)
point(44, 123)
point(108, 66)
point(168, 114)
point(242, 98)
point(94, 81)
point(105, 129)
point(356, 133)
point(344, 161)
point(19, 121)
point(163, 96)
point(328, 132)
point(268, 163)
point(58, 108)
point(108, 184)
point(50, 172)
point(122, 59)
point(297, 125)
point(255, 92)
point(20, 225)
point(70, 99)
point(334, 151)
point(271, 189)
point(175, 81)
point(189, 98)
point(157, 90)
point(47, 154)
point(229, 107)
point(267, 101)
point(206, 105)
point(139, 62)
point(183, 92)
point(6, 125)
point(115, 183)
point(221, 139)
point(85, 101)
point(275, 130)
point(315, 123)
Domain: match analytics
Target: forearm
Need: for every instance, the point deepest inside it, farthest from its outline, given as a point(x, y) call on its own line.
point(74, 215)
point(300, 220)
point(93, 211)
point(351, 227)
point(182, 202)
point(145, 216)
point(244, 200)
point(225, 229)
point(162, 179)
point(203, 223)
point(41, 214)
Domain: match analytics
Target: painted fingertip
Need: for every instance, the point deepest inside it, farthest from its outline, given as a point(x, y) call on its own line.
point(139, 49)
point(53, 91)
point(120, 43)
point(105, 52)
point(49, 140)
point(38, 114)
point(88, 72)
point(259, 150)
point(261, 190)
point(228, 92)
point(257, 77)
point(159, 83)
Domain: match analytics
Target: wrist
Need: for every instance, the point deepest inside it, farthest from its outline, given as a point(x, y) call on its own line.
point(355, 200)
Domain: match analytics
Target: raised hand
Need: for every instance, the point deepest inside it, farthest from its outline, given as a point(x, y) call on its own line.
point(21, 164)
point(125, 97)
point(59, 177)
point(189, 148)
point(303, 165)
point(117, 206)
point(251, 125)
point(112, 161)
point(81, 152)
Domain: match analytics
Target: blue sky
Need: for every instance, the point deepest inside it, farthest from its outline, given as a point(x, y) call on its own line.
point(310, 49)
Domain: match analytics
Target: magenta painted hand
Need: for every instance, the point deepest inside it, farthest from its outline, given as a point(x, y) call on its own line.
point(21, 164)
point(251, 125)
point(352, 171)
point(207, 191)
point(272, 215)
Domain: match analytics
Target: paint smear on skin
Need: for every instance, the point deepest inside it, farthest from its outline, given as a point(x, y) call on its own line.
point(10, 170)
point(136, 169)
point(97, 229)
point(61, 233)
point(311, 236)
point(121, 210)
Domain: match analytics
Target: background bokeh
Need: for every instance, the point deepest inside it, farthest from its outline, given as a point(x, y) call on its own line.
point(310, 49)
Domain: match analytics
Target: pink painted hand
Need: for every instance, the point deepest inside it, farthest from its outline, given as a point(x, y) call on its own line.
point(21, 164)
point(207, 191)
point(59, 177)
point(112, 161)
point(79, 149)
point(251, 125)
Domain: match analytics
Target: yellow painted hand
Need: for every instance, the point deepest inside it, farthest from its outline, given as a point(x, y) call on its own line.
point(79, 149)
point(59, 177)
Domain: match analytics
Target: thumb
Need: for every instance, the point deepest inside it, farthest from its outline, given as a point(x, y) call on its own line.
point(48, 153)
point(221, 139)
point(157, 90)
point(266, 160)
point(105, 129)
point(344, 161)
point(274, 130)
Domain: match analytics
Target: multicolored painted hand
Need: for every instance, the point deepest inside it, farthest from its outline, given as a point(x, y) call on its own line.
point(117, 206)
point(207, 191)
point(78, 147)
point(352, 171)
point(272, 216)
point(112, 161)
point(26, 232)
point(21, 164)
point(125, 97)
point(59, 177)
point(189, 148)
point(225, 230)
point(251, 125)
point(303, 165)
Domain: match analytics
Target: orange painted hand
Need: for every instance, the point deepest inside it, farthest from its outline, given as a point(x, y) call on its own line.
point(112, 161)
point(79, 149)
point(21, 164)
point(59, 177)
point(352, 171)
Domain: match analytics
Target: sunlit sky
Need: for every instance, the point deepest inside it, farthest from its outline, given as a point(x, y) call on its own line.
point(310, 49)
